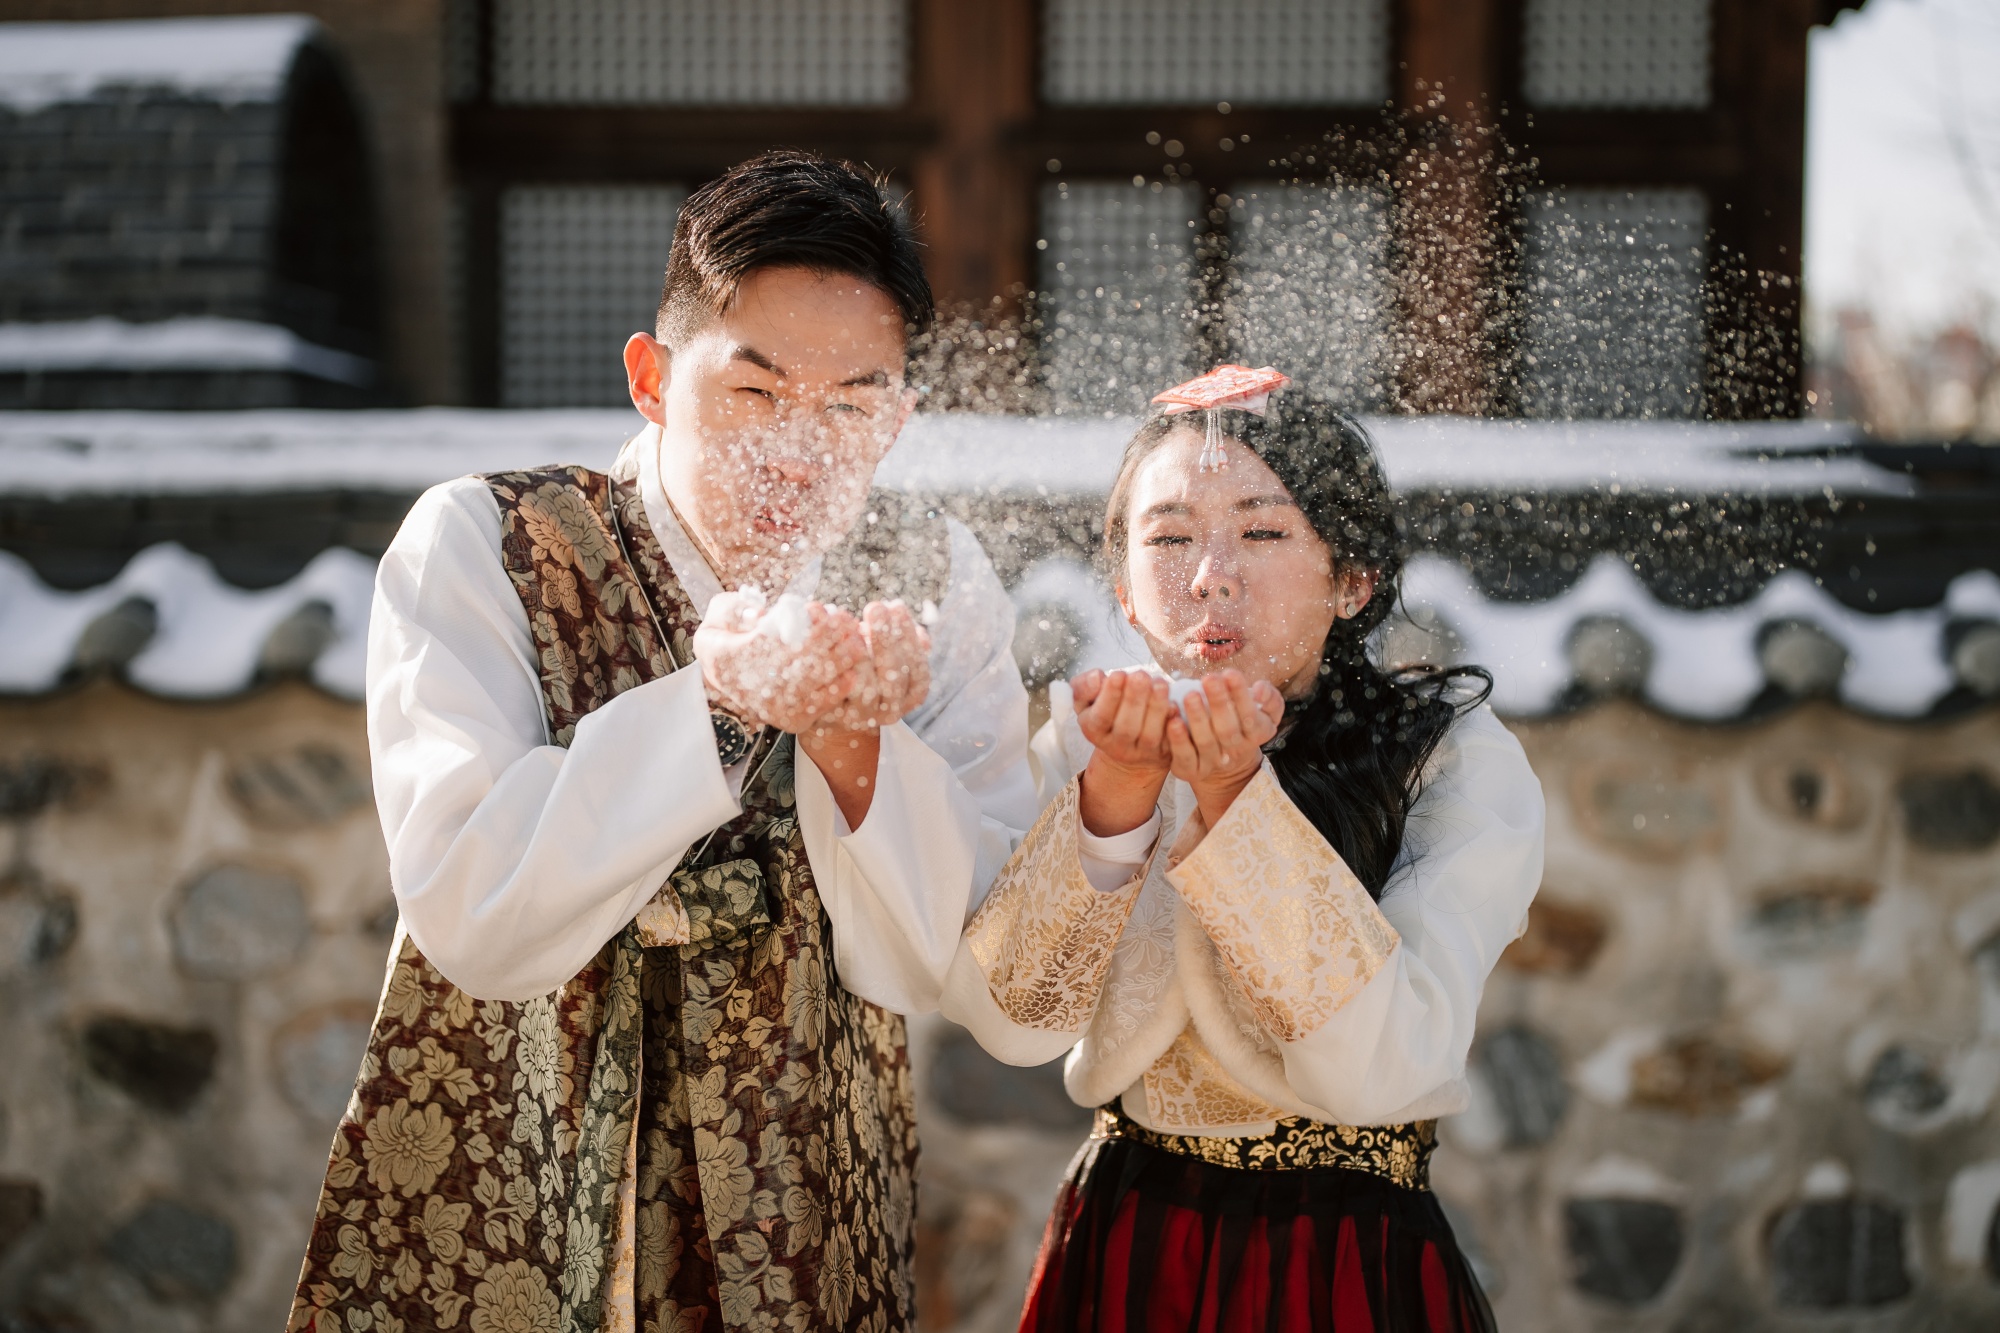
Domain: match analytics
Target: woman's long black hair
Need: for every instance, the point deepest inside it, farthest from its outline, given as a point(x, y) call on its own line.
point(1351, 752)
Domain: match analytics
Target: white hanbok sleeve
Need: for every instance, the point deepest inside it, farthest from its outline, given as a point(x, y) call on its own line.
point(514, 860)
point(953, 793)
point(1377, 1039)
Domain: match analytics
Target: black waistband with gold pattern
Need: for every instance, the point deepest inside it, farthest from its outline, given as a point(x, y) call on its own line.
point(1400, 1154)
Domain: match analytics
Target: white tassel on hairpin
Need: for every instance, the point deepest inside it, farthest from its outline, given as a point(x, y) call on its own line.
point(1230, 386)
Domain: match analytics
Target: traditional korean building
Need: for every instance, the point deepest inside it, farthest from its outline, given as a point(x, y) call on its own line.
point(189, 219)
point(1414, 182)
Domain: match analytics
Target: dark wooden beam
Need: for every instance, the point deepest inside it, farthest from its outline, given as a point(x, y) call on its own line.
point(972, 179)
point(480, 338)
point(546, 143)
point(1448, 202)
point(1754, 348)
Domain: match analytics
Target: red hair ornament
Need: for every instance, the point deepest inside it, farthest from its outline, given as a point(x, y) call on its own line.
point(1227, 386)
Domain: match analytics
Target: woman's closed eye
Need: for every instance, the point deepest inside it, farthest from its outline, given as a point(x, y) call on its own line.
point(1265, 534)
point(1168, 539)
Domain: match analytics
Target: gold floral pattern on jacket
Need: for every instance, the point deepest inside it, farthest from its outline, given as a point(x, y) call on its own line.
point(1044, 936)
point(1299, 933)
point(1400, 1154)
point(1187, 1088)
point(475, 1182)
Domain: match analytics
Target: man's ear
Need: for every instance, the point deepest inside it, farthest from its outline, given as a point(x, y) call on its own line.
point(648, 370)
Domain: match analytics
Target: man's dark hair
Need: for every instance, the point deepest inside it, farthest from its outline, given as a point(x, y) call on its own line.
point(787, 208)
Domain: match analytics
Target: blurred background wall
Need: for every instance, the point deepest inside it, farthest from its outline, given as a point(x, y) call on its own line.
point(268, 271)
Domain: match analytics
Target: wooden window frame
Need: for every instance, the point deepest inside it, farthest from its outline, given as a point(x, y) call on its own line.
point(974, 138)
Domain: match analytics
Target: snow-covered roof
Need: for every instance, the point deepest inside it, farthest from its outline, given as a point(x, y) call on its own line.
point(176, 629)
point(1792, 639)
point(188, 342)
point(1708, 664)
point(81, 453)
point(229, 60)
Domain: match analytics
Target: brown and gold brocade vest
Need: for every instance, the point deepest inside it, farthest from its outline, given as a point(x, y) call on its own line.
point(474, 1179)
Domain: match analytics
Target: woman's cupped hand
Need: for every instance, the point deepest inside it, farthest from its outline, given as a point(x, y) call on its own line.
point(1213, 741)
point(1217, 741)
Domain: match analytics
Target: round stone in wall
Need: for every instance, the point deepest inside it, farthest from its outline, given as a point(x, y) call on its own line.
point(155, 1064)
point(179, 1252)
point(1993, 1244)
point(1524, 1071)
point(1624, 1250)
point(236, 922)
point(1902, 1085)
point(1951, 811)
point(1809, 917)
point(972, 1087)
point(312, 784)
point(1831, 1254)
point(20, 1209)
point(318, 1054)
point(37, 923)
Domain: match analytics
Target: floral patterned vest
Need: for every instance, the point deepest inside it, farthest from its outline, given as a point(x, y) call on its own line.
point(474, 1179)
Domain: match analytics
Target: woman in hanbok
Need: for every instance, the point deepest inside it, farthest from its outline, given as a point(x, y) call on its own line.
point(1265, 891)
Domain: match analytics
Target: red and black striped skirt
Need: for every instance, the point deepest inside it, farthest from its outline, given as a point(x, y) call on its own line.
point(1149, 1235)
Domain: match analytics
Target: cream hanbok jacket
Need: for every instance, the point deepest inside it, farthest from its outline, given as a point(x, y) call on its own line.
point(1241, 973)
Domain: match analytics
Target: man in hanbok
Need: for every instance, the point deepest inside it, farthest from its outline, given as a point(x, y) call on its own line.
point(687, 772)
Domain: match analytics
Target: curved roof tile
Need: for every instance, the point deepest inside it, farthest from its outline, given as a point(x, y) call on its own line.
point(208, 639)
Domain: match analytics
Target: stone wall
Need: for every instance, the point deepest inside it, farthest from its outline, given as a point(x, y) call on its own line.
point(193, 923)
point(1738, 1074)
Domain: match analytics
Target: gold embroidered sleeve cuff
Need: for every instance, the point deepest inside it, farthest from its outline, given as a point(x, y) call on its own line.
point(1044, 936)
point(1298, 931)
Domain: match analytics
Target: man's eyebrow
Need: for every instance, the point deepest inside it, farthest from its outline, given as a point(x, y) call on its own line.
point(741, 352)
point(874, 379)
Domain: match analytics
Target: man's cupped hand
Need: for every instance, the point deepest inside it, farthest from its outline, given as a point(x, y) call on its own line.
point(849, 673)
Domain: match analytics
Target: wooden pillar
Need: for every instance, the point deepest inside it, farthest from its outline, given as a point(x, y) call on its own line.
point(1754, 335)
point(1447, 201)
point(972, 187)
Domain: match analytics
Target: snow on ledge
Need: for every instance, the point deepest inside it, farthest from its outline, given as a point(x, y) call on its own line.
point(228, 60)
point(71, 453)
point(188, 342)
point(160, 453)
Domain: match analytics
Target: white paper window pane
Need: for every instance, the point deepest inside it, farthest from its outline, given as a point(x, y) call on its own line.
point(1309, 289)
point(581, 268)
point(1616, 53)
point(461, 50)
point(1184, 52)
point(1118, 292)
point(701, 52)
point(1613, 290)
